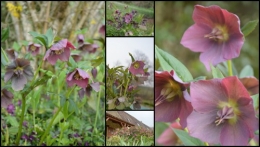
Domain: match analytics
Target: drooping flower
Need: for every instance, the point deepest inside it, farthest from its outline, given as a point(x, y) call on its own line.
point(33, 48)
point(12, 54)
point(19, 72)
point(10, 109)
point(87, 91)
point(172, 100)
point(59, 50)
point(80, 39)
point(87, 47)
point(137, 67)
point(216, 34)
point(94, 72)
point(78, 77)
point(6, 98)
point(76, 58)
point(251, 84)
point(102, 30)
point(223, 112)
point(128, 17)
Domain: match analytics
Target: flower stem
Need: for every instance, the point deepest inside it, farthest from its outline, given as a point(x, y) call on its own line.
point(37, 71)
point(21, 122)
point(230, 68)
point(3, 52)
point(127, 85)
point(95, 123)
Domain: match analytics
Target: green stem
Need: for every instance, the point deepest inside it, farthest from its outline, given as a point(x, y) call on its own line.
point(127, 85)
point(3, 52)
point(37, 71)
point(230, 68)
point(95, 123)
point(21, 121)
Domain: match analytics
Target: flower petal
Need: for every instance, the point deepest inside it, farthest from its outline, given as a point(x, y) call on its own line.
point(81, 83)
point(251, 84)
point(65, 55)
point(186, 110)
point(18, 83)
point(53, 59)
point(82, 73)
point(59, 45)
point(8, 75)
point(95, 86)
point(70, 75)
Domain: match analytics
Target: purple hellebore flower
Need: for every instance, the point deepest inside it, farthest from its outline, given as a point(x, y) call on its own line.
point(137, 67)
point(12, 54)
point(87, 47)
point(251, 84)
point(216, 34)
point(59, 50)
point(80, 39)
point(19, 72)
point(94, 72)
point(102, 30)
point(6, 98)
point(76, 58)
point(10, 109)
point(172, 99)
point(88, 89)
point(34, 48)
point(78, 77)
point(128, 17)
point(223, 112)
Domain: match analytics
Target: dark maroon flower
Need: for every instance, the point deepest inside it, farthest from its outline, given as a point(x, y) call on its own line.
point(94, 72)
point(223, 112)
point(59, 50)
point(6, 98)
point(10, 109)
point(19, 72)
point(216, 34)
point(88, 89)
point(76, 135)
point(128, 17)
point(251, 84)
point(34, 48)
point(78, 77)
point(102, 30)
point(80, 39)
point(25, 137)
point(137, 67)
point(172, 100)
point(76, 58)
point(12, 54)
point(87, 47)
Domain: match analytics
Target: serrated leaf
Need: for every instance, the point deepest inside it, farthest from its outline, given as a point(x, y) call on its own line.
point(132, 58)
point(249, 27)
point(168, 63)
point(4, 34)
point(216, 73)
point(246, 71)
point(13, 130)
point(256, 100)
point(186, 139)
point(49, 34)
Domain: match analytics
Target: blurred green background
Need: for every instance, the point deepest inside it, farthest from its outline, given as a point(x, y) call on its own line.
point(172, 19)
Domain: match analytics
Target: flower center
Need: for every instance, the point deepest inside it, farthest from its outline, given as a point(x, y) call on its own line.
point(58, 52)
point(224, 114)
point(218, 34)
point(18, 71)
point(77, 76)
point(136, 65)
point(33, 48)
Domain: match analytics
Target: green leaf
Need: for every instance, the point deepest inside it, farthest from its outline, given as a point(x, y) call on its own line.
point(49, 34)
point(186, 139)
point(159, 128)
point(168, 63)
point(47, 72)
point(16, 46)
point(34, 34)
point(73, 106)
point(198, 78)
point(4, 34)
point(249, 27)
point(43, 40)
point(246, 71)
point(12, 120)
point(3, 60)
point(256, 100)
point(133, 59)
point(13, 130)
point(216, 73)
point(97, 62)
point(72, 63)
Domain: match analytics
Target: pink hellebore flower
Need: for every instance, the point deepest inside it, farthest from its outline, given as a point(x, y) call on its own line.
point(78, 77)
point(137, 67)
point(80, 39)
point(34, 48)
point(216, 34)
point(128, 17)
point(172, 100)
point(87, 91)
point(223, 112)
point(87, 47)
point(59, 50)
point(102, 30)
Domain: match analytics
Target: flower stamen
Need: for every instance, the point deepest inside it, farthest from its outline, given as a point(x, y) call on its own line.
point(223, 114)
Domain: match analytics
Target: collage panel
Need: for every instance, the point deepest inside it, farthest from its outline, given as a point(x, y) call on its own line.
point(206, 73)
point(52, 73)
point(129, 128)
point(129, 18)
point(129, 73)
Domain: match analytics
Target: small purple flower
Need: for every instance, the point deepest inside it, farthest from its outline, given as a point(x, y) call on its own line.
point(19, 72)
point(34, 48)
point(86, 144)
point(87, 47)
point(19, 103)
point(172, 99)
point(12, 54)
point(137, 67)
point(128, 17)
point(6, 98)
point(94, 72)
point(25, 137)
point(76, 58)
point(78, 77)
point(59, 50)
point(216, 34)
point(25, 124)
point(102, 30)
point(251, 84)
point(80, 39)
point(223, 112)
point(10, 109)
point(76, 135)
point(88, 89)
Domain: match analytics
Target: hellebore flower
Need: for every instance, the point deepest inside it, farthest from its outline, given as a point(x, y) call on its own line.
point(6, 98)
point(102, 30)
point(80, 39)
point(223, 112)
point(137, 67)
point(59, 50)
point(78, 77)
point(251, 84)
point(10, 109)
point(12, 54)
point(216, 34)
point(76, 58)
point(168, 137)
point(94, 72)
point(128, 17)
point(172, 100)
point(19, 72)
point(88, 89)
point(34, 48)
point(87, 47)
